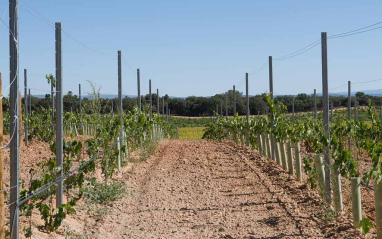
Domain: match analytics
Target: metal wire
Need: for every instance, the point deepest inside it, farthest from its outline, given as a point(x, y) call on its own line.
point(2, 18)
point(306, 153)
point(367, 186)
point(354, 33)
point(299, 52)
point(8, 189)
point(13, 134)
point(61, 178)
point(61, 166)
point(39, 16)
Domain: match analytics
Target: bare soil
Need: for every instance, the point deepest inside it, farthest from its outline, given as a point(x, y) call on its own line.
point(201, 189)
point(205, 189)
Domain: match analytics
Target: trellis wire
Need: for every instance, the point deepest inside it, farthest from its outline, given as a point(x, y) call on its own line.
point(61, 178)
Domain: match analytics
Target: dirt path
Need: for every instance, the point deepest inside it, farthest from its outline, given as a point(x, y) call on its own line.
point(204, 189)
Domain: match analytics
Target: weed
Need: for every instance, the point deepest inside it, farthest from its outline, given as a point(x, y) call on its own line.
point(327, 214)
point(69, 234)
point(103, 211)
point(148, 147)
point(103, 193)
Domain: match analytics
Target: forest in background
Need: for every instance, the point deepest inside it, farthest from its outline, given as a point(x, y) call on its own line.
point(197, 105)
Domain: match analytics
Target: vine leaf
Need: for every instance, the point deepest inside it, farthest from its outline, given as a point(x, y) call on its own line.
point(366, 225)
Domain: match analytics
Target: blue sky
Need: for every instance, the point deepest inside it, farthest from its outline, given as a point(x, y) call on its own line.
point(196, 47)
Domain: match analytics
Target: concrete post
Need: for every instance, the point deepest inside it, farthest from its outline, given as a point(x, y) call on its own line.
point(247, 108)
point(221, 106)
point(293, 110)
point(14, 114)
point(59, 116)
point(315, 104)
point(139, 90)
point(325, 98)
point(271, 92)
point(234, 102)
point(25, 108)
point(163, 106)
point(151, 99)
point(120, 106)
point(349, 111)
point(80, 101)
point(226, 105)
point(158, 102)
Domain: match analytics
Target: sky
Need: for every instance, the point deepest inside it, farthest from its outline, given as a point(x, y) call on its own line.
point(195, 47)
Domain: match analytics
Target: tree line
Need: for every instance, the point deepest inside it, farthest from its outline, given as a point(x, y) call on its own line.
point(196, 105)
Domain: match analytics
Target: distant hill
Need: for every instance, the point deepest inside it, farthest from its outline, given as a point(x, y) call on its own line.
point(367, 92)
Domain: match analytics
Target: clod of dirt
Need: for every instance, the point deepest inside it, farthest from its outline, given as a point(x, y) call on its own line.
point(271, 221)
point(270, 208)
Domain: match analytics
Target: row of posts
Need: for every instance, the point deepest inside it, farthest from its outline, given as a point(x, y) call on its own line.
point(282, 151)
point(314, 110)
point(284, 157)
point(14, 114)
point(58, 105)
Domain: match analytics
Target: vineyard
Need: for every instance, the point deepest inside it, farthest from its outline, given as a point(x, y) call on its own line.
point(195, 158)
point(299, 146)
point(93, 145)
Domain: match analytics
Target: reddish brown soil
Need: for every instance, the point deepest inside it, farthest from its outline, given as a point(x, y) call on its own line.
point(364, 164)
point(29, 156)
point(35, 152)
point(205, 189)
point(201, 189)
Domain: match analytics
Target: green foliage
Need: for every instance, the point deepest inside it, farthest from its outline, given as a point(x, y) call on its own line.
point(94, 104)
point(40, 125)
point(215, 130)
point(366, 225)
point(193, 105)
point(148, 148)
point(138, 126)
point(310, 170)
point(342, 159)
point(370, 138)
point(191, 121)
point(54, 217)
point(104, 193)
point(27, 232)
point(310, 132)
point(50, 78)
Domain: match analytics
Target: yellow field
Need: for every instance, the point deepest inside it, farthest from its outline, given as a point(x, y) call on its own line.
point(191, 132)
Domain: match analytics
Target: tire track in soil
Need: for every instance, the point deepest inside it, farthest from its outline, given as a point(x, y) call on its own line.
point(206, 189)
